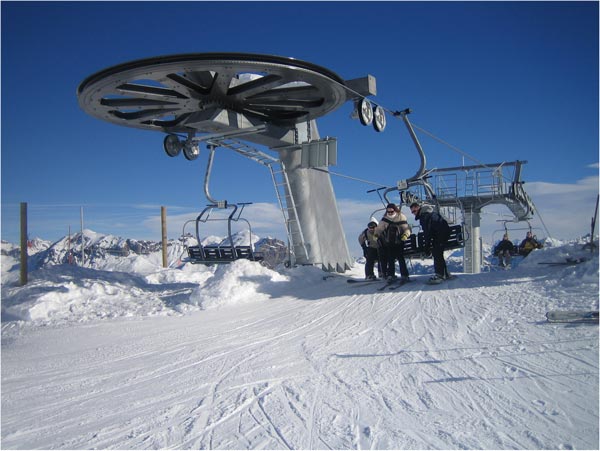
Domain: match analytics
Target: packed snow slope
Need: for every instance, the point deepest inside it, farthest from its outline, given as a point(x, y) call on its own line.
point(243, 357)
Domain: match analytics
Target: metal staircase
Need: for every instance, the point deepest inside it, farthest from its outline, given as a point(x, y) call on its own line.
point(243, 149)
point(522, 207)
point(296, 242)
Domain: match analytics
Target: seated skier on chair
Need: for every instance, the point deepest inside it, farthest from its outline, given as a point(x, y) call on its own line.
point(504, 250)
point(528, 244)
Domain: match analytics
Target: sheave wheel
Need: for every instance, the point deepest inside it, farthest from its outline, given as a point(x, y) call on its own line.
point(379, 121)
point(365, 112)
point(172, 145)
point(178, 93)
point(191, 151)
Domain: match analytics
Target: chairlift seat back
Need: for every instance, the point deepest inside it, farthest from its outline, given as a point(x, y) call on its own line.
point(218, 254)
point(416, 244)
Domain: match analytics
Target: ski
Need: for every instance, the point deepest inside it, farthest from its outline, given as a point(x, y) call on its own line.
point(400, 284)
point(568, 261)
point(357, 283)
point(391, 283)
point(439, 281)
point(364, 280)
point(572, 316)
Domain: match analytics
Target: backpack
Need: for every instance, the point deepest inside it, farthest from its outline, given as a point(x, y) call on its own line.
point(393, 232)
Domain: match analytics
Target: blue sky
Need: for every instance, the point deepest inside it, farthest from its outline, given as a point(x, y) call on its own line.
point(500, 80)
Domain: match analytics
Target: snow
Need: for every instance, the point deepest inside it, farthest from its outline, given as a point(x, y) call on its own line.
point(125, 354)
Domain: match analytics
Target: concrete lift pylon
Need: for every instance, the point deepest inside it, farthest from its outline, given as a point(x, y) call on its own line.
point(230, 99)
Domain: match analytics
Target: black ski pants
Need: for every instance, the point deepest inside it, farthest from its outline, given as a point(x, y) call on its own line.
point(437, 252)
point(395, 252)
point(372, 256)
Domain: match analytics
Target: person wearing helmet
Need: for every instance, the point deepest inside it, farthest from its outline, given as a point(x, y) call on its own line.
point(369, 243)
point(435, 233)
point(504, 250)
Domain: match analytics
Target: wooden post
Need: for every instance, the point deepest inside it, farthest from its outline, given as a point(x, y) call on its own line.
point(23, 278)
point(163, 226)
point(82, 240)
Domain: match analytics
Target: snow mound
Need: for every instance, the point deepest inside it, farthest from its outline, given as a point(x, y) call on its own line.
point(241, 281)
point(567, 275)
point(73, 294)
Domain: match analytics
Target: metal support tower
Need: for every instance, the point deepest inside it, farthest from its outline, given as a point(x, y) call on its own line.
point(475, 187)
point(469, 189)
point(472, 249)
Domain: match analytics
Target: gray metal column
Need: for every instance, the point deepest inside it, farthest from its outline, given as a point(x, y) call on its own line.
point(472, 250)
point(318, 213)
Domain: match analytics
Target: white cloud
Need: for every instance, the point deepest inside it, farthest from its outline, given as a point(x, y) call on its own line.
point(567, 209)
point(585, 185)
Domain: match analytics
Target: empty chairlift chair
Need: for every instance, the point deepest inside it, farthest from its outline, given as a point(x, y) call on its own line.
point(227, 251)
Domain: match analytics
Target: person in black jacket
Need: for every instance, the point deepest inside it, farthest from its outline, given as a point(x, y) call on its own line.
point(504, 250)
point(435, 233)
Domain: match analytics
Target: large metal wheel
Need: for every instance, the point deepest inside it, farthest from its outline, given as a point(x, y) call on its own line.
point(379, 121)
point(365, 111)
point(172, 145)
point(176, 93)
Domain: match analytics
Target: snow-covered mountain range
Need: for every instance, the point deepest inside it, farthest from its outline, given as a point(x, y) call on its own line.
point(101, 250)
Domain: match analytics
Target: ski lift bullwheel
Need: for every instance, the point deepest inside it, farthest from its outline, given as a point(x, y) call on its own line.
point(178, 93)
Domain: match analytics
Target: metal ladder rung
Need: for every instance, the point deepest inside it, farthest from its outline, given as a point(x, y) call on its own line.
point(290, 214)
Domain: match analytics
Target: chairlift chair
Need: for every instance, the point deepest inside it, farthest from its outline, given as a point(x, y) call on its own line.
point(517, 252)
point(414, 246)
point(221, 253)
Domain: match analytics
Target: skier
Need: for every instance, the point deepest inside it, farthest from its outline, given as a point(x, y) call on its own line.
point(368, 240)
point(435, 233)
point(528, 244)
point(393, 230)
point(504, 250)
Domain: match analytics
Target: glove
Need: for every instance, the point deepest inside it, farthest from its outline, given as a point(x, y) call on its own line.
point(405, 236)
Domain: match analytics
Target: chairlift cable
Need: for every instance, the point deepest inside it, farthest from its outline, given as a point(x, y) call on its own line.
point(456, 149)
point(348, 177)
point(541, 219)
point(395, 114)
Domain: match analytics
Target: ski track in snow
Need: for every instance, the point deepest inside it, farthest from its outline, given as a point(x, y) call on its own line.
point(467, 364)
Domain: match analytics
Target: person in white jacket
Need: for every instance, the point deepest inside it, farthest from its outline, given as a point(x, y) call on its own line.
point(393, 230)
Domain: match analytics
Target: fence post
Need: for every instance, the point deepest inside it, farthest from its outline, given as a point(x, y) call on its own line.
point(23, 274)
point(163, 226)
point(82, 237)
